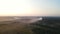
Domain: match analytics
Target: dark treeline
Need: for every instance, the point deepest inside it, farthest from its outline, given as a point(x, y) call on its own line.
point(49, 25)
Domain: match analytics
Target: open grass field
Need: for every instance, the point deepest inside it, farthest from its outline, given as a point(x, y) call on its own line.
point(24, 25)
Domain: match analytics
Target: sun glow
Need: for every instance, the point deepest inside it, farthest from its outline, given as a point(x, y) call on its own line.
point(14, 7)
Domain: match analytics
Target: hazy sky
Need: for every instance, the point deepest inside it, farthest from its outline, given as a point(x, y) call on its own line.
point(29, 7)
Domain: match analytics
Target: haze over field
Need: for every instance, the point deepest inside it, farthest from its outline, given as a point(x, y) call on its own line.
point(29, 25)
point(29, 7)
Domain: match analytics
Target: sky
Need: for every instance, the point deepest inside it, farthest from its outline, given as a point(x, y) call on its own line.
point(29, 7)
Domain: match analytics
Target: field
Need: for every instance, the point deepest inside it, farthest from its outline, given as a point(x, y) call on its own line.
point(11, 25)
point(29, 25)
